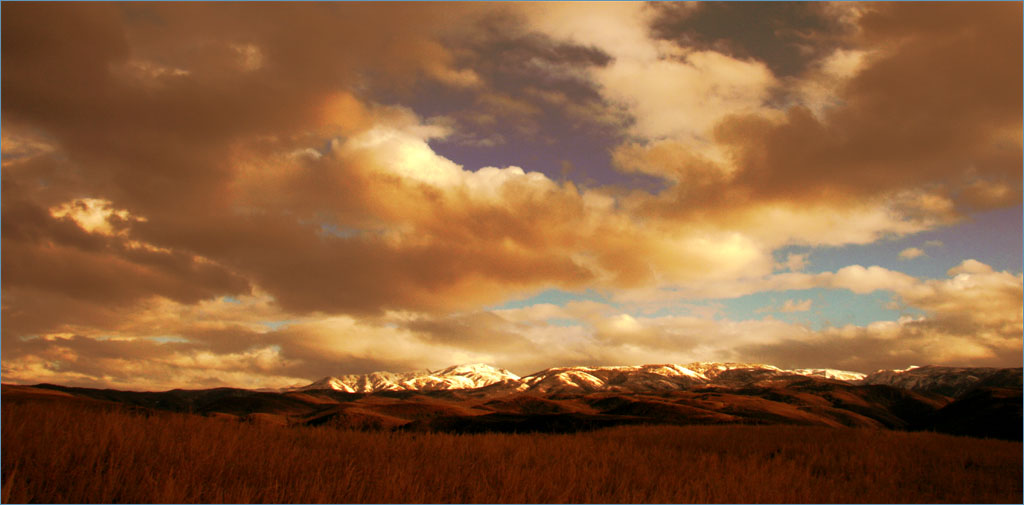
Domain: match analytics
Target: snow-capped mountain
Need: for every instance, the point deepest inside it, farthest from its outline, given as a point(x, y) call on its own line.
point(829, 373)
point(710, 369)
point(611, 378)
point(468, 376)
point(669, 377)
point(579, 379)
point(950, 381)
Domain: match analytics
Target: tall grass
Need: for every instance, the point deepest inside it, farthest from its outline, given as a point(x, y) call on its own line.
point(61, 452)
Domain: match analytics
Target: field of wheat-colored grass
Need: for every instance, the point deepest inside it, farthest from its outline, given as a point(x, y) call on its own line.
point(59, 452)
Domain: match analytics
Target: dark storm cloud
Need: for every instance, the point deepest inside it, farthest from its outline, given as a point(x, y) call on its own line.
point(145, 104)
point(536, 90)
point(513, 62)
point(936, 107)
point(786, 36)
point(67, 70)
point(941, 103)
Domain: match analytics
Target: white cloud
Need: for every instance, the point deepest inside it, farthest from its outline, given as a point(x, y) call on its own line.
point(16, 146)
point(818, 89)
point(669, 90)
point(911, 253)
point(461, 78)
point(93, 214)
point(970, 266)
point(402, 153)
point(796, 262)
point(151, 72)
point(976, 298)
point(824, 223)
point(250, 57)
point(796, 306)
point(862, 280)
point(684, 97)
point(617, 27)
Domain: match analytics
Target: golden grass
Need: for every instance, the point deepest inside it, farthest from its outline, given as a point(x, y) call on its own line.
point(59, 452)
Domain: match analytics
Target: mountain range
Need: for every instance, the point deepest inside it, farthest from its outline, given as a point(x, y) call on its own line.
point(454, 377)
point(948, 381)
point(983, 402)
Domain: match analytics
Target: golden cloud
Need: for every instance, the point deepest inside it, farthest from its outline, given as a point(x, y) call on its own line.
point(188, 153)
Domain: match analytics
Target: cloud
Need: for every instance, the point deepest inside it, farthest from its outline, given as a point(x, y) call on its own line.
point(911, 253)
point(749, 155)
point(787, 37)
point(229, 187)
point(796, 306)
point(19, 147)
point(685, 97)
point(162, 160)
point(796, 262)
point(971, 317)
point(975, 298)
point(862, 280)
point(812, 146)
point(817, 89)
point(883, 111)
point(670, 91)
point(93, 215)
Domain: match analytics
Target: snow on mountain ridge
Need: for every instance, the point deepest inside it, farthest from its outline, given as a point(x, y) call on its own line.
point(711, 369)
point(652, 377)
point(829, 373)
point(637, 378)
point(467, 376)
point(950, 381)
point(660, 377)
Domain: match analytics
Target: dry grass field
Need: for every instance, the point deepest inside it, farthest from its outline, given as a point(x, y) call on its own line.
point(65, 451)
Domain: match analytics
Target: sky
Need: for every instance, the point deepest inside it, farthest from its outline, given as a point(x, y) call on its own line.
point(263, 194)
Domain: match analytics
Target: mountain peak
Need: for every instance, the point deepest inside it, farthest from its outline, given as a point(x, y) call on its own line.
point(466, 376)
point(328, 382)
point(829, 373)
point(946, 380)
point(466, 368)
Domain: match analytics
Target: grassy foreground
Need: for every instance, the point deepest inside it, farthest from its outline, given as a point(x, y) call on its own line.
point(56, 452)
